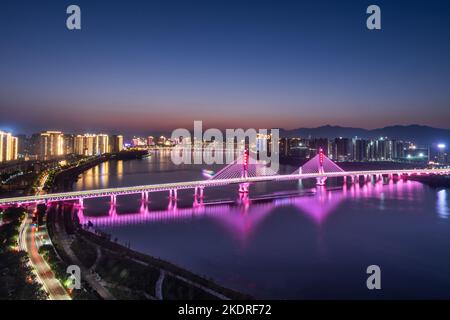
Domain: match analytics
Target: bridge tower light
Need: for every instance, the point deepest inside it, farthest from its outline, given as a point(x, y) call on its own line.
point(245, 161)
point(321, 180)
point(321, 157)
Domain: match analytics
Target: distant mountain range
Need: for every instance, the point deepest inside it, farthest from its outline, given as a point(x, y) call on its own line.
point(417, 133)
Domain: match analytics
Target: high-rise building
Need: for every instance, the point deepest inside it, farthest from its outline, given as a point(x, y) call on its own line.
point(8, 147)
point(360, 149)
point(150, 141)
point(23, 148)
point(50, 145)
point(101, 144)
point(263, 142)
point(116, 143)
point(439, 153)
point(341, 149)
point(91, 144)
point(69, 144)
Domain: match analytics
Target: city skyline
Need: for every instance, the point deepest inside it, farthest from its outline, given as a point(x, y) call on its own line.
point(287, 66)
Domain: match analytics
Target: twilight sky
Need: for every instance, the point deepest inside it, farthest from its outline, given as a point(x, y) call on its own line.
point(155, 65)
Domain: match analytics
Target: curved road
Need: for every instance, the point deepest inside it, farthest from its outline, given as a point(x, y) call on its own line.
point(27, 242)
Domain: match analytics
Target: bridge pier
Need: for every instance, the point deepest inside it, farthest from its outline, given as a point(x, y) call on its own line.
point(173, 193)
point(198, 192)
point(172, 204)
point(81, 202)
point(243, 187)
point(320, 181)
point(197, 202)
point(143, 197)
point(113, 199)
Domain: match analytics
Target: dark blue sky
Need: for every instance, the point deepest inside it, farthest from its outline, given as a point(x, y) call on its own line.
point(143, 66)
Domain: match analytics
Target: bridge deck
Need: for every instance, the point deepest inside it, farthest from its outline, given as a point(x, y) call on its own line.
point(74, 195)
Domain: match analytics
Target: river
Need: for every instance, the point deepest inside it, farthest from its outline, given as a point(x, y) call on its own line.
point(289, 240)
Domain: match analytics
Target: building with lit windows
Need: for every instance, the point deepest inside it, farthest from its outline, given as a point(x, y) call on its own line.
point(116, 143)
point(50, 144)
point(91, 144)
point(8, 147)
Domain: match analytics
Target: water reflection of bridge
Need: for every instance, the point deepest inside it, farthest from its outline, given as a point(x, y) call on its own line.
point(244, 216)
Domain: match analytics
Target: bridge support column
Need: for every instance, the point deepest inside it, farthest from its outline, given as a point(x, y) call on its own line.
point(173, 193)
point(198, 192)
point(113, 199)
point(144, 196)
point(320, 181)
point(81, 202)
point(243, 187)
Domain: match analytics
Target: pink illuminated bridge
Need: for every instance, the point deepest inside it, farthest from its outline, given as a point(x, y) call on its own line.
point(240, 173)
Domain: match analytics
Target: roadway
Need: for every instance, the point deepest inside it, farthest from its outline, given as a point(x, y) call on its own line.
point(75, 195)
point(27, 243)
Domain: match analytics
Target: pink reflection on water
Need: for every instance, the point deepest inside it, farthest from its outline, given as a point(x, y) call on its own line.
point(242, 218)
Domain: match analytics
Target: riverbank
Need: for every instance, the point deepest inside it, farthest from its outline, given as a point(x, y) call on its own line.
point(64, 179)
point(128, 274)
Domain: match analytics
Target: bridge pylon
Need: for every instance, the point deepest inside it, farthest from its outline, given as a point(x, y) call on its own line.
point(243, 187)
point(321, 165)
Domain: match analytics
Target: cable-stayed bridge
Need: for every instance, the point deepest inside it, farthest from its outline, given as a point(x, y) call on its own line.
point(241, 172)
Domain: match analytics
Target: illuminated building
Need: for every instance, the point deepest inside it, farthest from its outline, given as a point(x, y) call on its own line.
point(262, 142)
point(439, 153)
point(101, 144)
point(91, 144)
point(341, 149)
point(138, 142)
point(50, 145)
point(8, 147)
point(69, 143)
point(116, 143)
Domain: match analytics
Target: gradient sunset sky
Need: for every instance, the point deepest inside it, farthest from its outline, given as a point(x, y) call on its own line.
point(143, 66)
